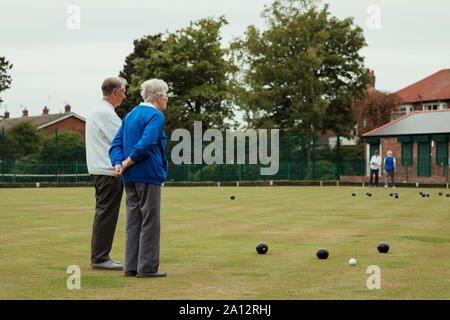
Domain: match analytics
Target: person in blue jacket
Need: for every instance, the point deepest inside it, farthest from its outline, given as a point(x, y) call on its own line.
point(137, 154)
point(389, 169)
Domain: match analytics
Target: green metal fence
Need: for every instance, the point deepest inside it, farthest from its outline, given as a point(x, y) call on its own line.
point(19, 171)
point(22, 171)
point(423, 171)
point(301, 157)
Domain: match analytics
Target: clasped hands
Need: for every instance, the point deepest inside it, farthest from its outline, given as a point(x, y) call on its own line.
point(120, 168)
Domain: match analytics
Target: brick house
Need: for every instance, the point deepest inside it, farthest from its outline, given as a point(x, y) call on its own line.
point(431, 93)
point(49, 122)
point(420, 141)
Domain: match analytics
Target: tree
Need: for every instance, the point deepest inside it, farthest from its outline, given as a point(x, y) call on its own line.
point(71, 147)
point(194, 65)
point(374, 110)
point(302, 72)
point(23, 139)
point(5, 79)
point(9, 148)
point(145, 46)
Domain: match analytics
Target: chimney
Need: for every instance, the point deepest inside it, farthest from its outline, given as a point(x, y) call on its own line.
point(45, 111)
point(6, 116)
point(67, 108)
point(372, 79)
point(24, 113)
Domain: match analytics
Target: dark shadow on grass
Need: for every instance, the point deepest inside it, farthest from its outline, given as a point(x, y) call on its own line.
point(427, 239)
point(393, 264)
point(251, 274)
point(93, 282)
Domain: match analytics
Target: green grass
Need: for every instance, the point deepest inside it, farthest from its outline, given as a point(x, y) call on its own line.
point(208, 244)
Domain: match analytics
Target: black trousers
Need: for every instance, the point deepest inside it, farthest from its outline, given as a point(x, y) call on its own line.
point(108, 195)
point(374, 173)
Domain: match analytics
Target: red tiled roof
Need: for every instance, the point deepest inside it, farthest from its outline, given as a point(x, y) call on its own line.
point(40, 121)
point(432, 88)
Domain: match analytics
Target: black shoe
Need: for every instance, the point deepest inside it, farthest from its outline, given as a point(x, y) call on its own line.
point(130, 273)
point(151, 275)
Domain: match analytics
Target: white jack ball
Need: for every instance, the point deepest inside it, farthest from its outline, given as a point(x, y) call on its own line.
point(352, 262)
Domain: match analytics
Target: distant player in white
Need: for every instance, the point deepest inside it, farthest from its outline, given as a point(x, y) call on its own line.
point(375, 163)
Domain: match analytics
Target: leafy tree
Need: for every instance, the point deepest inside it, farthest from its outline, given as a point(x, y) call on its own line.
point(145, 46)
point(356, 151)
point(5, 79)
point(374, 110)
point(325, 153)
point(23, 139)
point(302, 72)
point(323, 170)
point(9, 149)
point(194, 65)
point(71, 147)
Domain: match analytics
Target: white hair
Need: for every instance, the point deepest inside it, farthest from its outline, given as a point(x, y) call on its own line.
point(150, 88)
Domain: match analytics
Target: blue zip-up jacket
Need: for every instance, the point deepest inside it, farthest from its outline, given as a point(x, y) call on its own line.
point(389, 161)
point(141, 137)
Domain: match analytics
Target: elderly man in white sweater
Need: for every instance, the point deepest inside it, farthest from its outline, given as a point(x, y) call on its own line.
point(102, 125)
point(375, 163)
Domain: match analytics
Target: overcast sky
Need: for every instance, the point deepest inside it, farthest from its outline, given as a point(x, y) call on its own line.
point(54, 64)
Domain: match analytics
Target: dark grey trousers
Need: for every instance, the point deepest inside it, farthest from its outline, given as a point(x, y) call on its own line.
point(142, 238)
point(374, 172)
point(388, 174)
point(108, 195)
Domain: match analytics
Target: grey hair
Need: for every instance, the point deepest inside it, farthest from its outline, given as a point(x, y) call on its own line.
point(150, 88)
point(112, 83)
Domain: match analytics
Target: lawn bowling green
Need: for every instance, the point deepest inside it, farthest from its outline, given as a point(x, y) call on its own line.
point(208, 244)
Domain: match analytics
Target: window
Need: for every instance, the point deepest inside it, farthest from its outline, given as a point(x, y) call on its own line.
point(406, 109)
point(430, 107)
point(409, 108)
point(434, 106)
